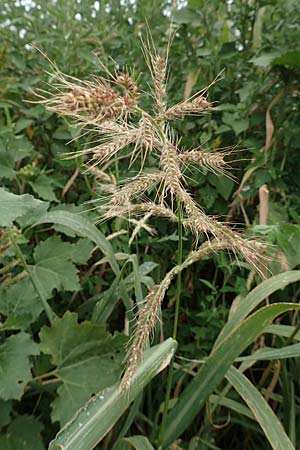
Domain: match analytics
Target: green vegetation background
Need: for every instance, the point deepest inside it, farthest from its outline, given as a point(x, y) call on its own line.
point(255, 46)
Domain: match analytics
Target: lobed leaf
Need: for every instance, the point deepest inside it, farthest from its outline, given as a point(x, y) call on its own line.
point(15, 365)
point(24, 432)
point(83, 227)
point(14, 206)
point(20, 305)
point(54, 268)
point(87, 359)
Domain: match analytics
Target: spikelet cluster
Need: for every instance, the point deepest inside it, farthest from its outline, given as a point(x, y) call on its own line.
point(105, 109)
point(91, 102)
point(194, 105)
point(127, 82)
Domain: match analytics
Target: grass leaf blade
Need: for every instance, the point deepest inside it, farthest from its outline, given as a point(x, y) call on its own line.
point(98, 416)
point(215, 367)
point(256, 296)
point(264, 414)
point(139, 442)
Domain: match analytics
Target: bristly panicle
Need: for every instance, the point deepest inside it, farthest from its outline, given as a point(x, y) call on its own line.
point(157, 64)
point(148, 314)
point(170, 164)
point(90, 102)
point(135, 188)
point(212, 161)
point(110, 145)
point(111, 112)
point(138, 209)
point(196, 105)
point(145, 140)
point(147, 133)
point(146, 321)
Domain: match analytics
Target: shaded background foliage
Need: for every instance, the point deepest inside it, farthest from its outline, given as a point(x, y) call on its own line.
point(253, 45)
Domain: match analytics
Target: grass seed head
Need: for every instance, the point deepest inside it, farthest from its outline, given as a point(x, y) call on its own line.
point(106, 110)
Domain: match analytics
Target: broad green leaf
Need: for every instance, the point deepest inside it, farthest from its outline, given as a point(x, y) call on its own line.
point(265, 59)
point(240, 125)
point(62, 133)
point(82, 251)
point(277, 58)
point(67, 335)
point(215, 367)
point(15, 365)
point(31, 217)
point(54, 268)
point(7, 162)
point(87, 360)
point(288, 238)
point(246, 91)
point(14, 206)
point(12, 149)
point(139, 442)
point(291, 58)
point(24, 433)
point(223, 185)
point(237, 124)
point(22, 123)
point(44, 186)
point(227, 33)
point(99, 415)
point(186, 16)
point(20, 305)
point(83, 227)
point(255, 297)
point(263, 413)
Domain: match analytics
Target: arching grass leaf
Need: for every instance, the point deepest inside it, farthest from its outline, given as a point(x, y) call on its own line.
point(99, 415)
point(262, 411)
point(215, 367)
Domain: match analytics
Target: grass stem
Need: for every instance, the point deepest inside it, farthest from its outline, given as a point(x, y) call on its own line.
point(175, 328)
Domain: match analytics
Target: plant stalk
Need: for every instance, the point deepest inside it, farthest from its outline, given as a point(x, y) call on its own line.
point(175, 328)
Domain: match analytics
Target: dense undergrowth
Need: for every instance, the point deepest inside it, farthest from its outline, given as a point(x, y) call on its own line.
point(79, 293)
